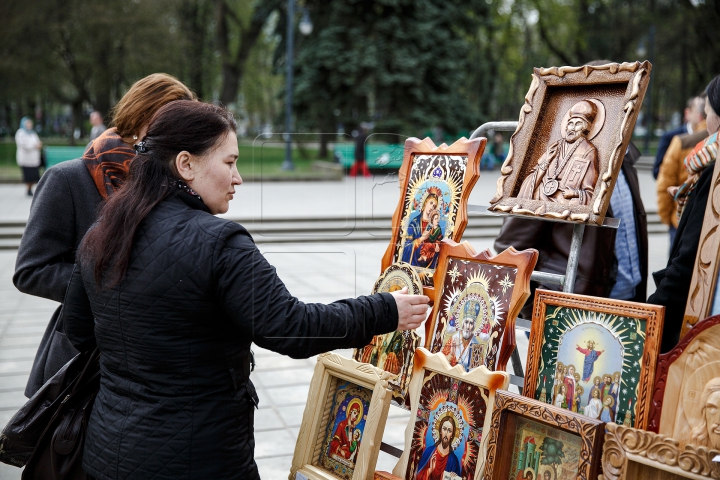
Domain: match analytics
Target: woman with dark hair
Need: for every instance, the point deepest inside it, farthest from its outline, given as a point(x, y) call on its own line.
point(66, 203)
point(173, 296)
point(673, 282)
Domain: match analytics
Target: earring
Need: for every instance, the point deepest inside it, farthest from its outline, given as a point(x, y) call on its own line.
point(134, 137)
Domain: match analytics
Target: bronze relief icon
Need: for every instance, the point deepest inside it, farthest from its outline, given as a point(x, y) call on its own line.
point(568, 170)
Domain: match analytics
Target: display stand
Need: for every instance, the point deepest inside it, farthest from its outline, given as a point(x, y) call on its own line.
point(566, 282)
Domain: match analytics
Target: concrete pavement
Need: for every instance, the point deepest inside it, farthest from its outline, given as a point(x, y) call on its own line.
point(314, 272)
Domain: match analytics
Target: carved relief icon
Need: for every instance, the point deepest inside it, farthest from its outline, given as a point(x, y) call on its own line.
point(568, 170)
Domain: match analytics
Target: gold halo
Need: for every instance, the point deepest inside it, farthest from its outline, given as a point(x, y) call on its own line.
point(597, 124)
point(442, 412)
point(397, 276)
point(361, 409)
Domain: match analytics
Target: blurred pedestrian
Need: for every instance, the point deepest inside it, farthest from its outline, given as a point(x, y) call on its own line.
point(673, 282)
point(173, 296)
point(98, 127)
point(66, 203)
point(672, 169)
point(665, 140)
point(28, 153)
point(360, 166)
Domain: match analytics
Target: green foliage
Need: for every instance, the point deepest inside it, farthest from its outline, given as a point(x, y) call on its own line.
point(551, 452)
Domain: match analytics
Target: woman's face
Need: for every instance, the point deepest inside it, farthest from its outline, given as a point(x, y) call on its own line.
point(28, 124)
point(216, 175)
point(713, 120)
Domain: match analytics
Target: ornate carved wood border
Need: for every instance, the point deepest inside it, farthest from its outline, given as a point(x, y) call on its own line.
point(524, 261)
point(624, 445)
point(651, 314)
point(635, 74)
point(500, 438)
point(665, 360)
point(705, 271)
point(473, 149)
point(481, 376)
point(330, 369)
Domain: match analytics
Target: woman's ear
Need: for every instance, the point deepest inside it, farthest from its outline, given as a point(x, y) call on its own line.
point(185, 166)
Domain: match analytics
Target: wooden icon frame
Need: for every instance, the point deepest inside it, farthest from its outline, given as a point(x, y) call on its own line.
point(630, 453)
point(647, 320)
point(621, 86)
point(331, 369)
point(704, 283)
point(458, 253)
point(437, 366)
point(509, 407)
point(411, 180)
point(664, 412)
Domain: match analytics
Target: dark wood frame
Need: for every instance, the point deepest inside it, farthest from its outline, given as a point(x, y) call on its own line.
point(707, 261)
point(651, 314)
point(509, 406)
point(414, 146)
point(637, 77)
point(524, 261)
point(665, 361)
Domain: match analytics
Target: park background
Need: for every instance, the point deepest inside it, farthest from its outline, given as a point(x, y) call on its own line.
point(435, 68)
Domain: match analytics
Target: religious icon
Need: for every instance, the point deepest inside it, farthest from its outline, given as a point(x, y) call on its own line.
point(572, 135)
point(609, 383)
point(568, 170)
point(528, 439)
point(348, 412)
point(479, 294)
point(436, 182)
point(448, 429)
point(393, 352)
point(450, 410)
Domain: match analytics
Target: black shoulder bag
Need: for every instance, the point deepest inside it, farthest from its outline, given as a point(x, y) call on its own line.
point(47, 435)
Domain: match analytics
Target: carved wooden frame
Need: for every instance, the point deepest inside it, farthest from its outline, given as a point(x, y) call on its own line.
point(665, 361)
point(482, 377)
point(651, 314)
point(524, 261)
point(636, 75)
point(331, 366)
point(500, 437)
point(473, 149)
point(707, 261)
point(625, 446)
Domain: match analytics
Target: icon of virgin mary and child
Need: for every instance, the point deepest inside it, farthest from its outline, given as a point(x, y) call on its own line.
point(421, 242)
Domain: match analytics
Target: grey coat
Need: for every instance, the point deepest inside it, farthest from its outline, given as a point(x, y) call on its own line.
point(64, 207)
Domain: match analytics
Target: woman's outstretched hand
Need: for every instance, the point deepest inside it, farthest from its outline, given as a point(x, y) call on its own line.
point(412, 309)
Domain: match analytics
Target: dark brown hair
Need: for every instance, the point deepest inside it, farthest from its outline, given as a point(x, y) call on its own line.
point(182, 125)
point(144, 99)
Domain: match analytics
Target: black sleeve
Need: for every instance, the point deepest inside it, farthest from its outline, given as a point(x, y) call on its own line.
point(521, 234)
point(256, 299)
point(46, 255)
point(673, 282)
point(77, 315)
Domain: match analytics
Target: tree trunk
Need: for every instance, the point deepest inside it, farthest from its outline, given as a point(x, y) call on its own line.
point(77, 120)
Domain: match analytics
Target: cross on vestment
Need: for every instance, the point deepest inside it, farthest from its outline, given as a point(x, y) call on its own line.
point(577, 168)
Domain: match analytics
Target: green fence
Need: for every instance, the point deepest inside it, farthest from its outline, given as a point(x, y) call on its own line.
point(55, 155)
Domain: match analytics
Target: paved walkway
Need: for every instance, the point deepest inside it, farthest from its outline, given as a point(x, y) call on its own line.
point(313, 272)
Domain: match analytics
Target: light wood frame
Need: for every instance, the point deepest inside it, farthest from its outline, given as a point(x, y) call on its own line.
point(414, 147)
point(438, 364)
point(629, 453)
point(707, 261)
point(524, 261)
point(665, 399)
point(510, 406)
point(331, 366)
point(534, 127)
point(650, 315)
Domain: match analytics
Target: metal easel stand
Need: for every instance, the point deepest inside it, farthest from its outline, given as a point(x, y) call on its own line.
point(567, 281)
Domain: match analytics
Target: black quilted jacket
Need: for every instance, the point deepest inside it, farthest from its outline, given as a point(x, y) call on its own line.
point(175, 401)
